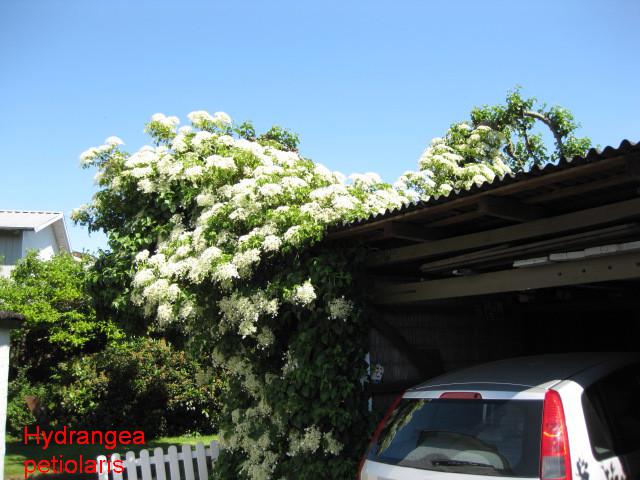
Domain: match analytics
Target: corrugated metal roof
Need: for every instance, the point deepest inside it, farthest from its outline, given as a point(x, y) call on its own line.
point(27, 220)
point(593, 155)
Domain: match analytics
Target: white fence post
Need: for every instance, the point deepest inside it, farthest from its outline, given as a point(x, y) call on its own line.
point(116, 475)
point(145, 465)
point(187, 459)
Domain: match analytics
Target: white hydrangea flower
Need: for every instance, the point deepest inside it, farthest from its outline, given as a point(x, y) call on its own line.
point(194, 172)
point(164, 313)
point(227, 140)
point(271, 243)
point(270, 189)
point(200, 137)
point(226, 271)
point(200, 117)
point(339, 308)
point(205, 199)
point(222, 118)
point(218, 161)
point(304, 294)
point(113, 140)
point(162, 119)
point(143, 277)
point(146, 186)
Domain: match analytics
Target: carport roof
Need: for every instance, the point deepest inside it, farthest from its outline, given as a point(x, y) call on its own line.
point(528, 193)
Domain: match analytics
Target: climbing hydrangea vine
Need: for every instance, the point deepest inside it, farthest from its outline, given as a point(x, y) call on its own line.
point(217, 230)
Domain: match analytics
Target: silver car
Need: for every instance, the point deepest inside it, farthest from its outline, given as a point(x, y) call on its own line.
point(567, 416)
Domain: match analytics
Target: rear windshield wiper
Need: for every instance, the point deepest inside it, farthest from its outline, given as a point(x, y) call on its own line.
point(459, 463)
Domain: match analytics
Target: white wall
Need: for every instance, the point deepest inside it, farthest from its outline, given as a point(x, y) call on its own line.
point(4, 377)
point(44, 241)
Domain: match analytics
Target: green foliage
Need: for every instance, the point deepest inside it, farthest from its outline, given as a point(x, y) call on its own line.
point(60, 321)
point(516, 119)
point(142, 383)
point(280, 138)
point(18, 415)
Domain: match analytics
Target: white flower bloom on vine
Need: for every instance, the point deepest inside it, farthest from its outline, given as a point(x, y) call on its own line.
point(343, 202)
point(270, 190)
point(339, 308)
point(247, 328)
point(76, 213)
point(445, 188)
point(173, 292)
point(218, 161)
point(143, 277)
point(226, 271)
point(227, 140)
point(200, 117)
point(322, 171)
point(142, 255)
point(200, 137)
point(291, 233)
point(333, 447)
point(157, 291)
point(245, 260)
point(164, 314)
point(187, 310)
point(205, 199)
point(162, 119)
point(179, 143)
point(365, 179)
point(304, 294)
point(113, 140)
point(293, 182)
point(146, 186)
point(285, 158)
point(271, 243)
point(194, 172)
point(87, 157)
point(222, 118)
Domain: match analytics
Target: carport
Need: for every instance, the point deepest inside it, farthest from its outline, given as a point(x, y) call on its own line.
point(542, 261)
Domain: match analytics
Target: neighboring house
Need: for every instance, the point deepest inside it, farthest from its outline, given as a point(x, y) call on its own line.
point(22, 231)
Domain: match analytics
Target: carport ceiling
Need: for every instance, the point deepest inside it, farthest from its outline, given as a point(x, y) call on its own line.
point(468, 243)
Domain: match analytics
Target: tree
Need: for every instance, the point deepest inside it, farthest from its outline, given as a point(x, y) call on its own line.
point(515, 121)
point(495, 141)
point(60, 321)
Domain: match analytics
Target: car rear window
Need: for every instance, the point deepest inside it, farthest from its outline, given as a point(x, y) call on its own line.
point(482, 437)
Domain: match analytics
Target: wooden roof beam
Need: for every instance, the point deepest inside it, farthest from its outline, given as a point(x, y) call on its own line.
point(583, 219)
point(598, 269)
point(510, 209)
point(412, 232)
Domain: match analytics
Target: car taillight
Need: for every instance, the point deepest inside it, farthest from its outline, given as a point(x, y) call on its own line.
point(555, 461)
point(378, 430)
point(462, 395)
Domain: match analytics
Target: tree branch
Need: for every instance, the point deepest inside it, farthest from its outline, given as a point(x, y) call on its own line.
point(544, 119)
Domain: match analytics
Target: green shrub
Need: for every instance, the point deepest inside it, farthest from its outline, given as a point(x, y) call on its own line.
point(18, 415)
point(140, 384)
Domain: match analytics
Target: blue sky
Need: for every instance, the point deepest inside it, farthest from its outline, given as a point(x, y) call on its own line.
point(366, 84)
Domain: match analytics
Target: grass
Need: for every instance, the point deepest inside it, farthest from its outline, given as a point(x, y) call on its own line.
point(17, 453)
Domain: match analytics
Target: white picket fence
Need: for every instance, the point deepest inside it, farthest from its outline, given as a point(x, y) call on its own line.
point(153, 467)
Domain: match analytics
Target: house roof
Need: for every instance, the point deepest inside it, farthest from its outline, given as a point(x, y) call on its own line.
point(568, 172)
point(36, 221)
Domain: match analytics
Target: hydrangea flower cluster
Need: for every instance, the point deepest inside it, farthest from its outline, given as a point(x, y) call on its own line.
point(463, 157)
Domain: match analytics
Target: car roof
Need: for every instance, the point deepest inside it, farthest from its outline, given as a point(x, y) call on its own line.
point(522, 373)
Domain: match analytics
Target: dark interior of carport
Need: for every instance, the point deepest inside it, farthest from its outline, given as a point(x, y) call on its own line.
point(540, 262)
